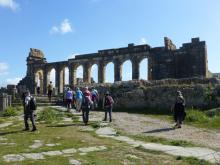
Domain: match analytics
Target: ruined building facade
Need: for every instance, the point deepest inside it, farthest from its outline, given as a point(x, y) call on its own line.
point(190, 60)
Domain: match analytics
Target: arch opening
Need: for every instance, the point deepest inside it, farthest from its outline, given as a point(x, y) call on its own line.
point(127, 70)
point(143, 69)
point(109, 72)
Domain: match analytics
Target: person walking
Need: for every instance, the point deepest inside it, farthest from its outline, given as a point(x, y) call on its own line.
point(86, 105)
point(69, 99)
point(95, 98)
point(108, 106)
point(50, 90)
point(79, 96)
point(29, 108)
point(179, 110)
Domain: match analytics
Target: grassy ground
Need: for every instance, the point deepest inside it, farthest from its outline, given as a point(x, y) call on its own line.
point(68, 135)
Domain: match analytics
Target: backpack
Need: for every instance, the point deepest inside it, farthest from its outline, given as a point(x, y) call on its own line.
point(32, 104)
point(108, 101)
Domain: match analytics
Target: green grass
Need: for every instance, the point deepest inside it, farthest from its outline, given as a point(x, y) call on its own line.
point(70, 136)
point(153, 139)
point(203, 119)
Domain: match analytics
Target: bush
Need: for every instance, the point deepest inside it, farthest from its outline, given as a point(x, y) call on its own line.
point(49, 115)
point(196, 116)
point(10, 111)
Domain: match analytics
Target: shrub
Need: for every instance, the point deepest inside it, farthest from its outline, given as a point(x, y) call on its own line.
point(196, 116)
point(49, 115)
point(10, 111)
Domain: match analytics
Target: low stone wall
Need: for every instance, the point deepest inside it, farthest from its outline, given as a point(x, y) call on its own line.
point(199, 93)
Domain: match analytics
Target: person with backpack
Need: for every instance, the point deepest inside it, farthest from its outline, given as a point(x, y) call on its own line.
point(86, 105)
point(108, 106)
point(179, 110)
point(69, 98)
point(79, 97)
point(29, 107)
point(50, 90)
point(95, 98)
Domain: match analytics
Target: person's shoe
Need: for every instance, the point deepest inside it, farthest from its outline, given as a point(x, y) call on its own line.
point(34, 129)
point(179, 126)
point(104, 120)
point(110, 120)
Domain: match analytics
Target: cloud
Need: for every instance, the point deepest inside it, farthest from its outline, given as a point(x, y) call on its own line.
point(11, 4)
point(73, 55)
point(64, 28)
point(3, 68)
point(13, 81)
point(143, 40)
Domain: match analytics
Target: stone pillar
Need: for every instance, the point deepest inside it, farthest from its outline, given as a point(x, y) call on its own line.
point(135, 69)
point(3, 101)
point(9, 100)
point(45, 81)
point(86, 73)
point(101, 72)
point(118, 70)
point(72, 74)
point(57, 80)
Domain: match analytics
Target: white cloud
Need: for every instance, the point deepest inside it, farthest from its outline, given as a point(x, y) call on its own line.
point(13, 81)
point(11, 4)
point(64, 27)
point(143, 40)
point(73, 55)
point(3, 68)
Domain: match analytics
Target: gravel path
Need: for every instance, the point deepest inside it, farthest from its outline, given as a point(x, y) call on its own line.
point(135, 124)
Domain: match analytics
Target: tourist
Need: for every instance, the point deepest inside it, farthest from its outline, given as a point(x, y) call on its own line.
point(30, 107)
point(38, 90)
point(107, 106)
point(95, 98)
point(69, 99)
point(86, 105)
point(179, 110)
point(79, 96)
point(50, 90)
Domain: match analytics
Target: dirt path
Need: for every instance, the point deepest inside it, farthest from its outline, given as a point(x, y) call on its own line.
point(135, 124)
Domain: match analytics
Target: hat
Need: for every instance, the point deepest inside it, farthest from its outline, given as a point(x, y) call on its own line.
point(107, 93)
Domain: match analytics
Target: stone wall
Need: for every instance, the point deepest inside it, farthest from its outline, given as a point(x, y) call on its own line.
point(199, 93)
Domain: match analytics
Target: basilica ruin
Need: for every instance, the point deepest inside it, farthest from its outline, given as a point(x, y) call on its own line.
point(190, 60)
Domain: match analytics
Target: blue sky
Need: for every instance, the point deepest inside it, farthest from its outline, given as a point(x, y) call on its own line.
point(61, 28)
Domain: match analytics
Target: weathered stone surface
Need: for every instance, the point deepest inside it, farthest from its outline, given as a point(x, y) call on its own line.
point(190, 60)
point(74, 162)
point(69, 151)
point(13, 158)
point(34, 156)
point(106, 131)
point(91, 149)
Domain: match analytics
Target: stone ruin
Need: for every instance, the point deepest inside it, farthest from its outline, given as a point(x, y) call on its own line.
point(190, 60)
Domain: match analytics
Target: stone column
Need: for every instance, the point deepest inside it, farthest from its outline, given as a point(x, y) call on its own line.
point(72, 75)
point(101, 72)
point(86, 73)
point(57, 87)
point(135, 69)
point(118, 70)
point(3, 101)
point(46, 81)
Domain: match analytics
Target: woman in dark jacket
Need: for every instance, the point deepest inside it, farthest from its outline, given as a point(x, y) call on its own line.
point(179, 109)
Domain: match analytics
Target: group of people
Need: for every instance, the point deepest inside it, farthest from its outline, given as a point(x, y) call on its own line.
point(85, 100)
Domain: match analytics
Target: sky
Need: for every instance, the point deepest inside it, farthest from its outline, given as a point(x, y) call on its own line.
point(64, 28)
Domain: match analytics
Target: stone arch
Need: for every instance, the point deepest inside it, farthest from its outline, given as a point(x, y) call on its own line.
point(127, 70)
point(51, 76)
point(39, 80)
point(109, 71)
point(143, 69)
point(79, 74)
point(94, 73)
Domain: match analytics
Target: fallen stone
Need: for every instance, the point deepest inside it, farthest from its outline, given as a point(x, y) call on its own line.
point(37, 144)
point(74, 162)
point(52, 153)
point(5, 124)
point(91, 149)
point(34, 156)
point(13, 158)
point(52, 145)
point(67, 119)
point(3, 139)
point(131, 156)
point(69, 151)
point(106, 131)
